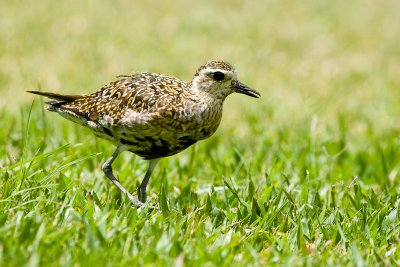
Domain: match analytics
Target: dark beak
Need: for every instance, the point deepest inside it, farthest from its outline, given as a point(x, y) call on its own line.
point(241, 88)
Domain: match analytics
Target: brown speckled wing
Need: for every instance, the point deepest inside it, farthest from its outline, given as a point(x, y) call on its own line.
point(142, 93)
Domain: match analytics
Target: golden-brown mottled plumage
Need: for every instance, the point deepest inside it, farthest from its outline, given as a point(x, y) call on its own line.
point(153, 115)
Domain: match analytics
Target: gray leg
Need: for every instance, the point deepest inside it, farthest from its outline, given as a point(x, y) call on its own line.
point(107, 169)
point(142, 187)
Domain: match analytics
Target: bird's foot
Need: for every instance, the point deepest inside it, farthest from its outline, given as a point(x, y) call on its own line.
point(139, 204)
point(136, 203)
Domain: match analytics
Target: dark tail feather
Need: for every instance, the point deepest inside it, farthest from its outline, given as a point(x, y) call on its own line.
point(65, 98)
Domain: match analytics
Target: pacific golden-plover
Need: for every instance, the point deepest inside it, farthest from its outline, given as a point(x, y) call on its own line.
point(152, 115)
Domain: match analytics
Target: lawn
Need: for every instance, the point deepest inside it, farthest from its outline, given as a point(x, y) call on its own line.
point(306, 175)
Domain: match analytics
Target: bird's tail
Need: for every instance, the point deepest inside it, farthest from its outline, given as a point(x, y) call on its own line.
point(59, 101)
point(59, 97)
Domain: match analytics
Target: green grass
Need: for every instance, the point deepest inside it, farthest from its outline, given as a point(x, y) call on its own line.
point(307, 175)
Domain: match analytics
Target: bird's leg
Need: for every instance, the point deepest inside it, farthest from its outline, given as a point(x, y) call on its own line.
point(107, 169)
point(142, 187)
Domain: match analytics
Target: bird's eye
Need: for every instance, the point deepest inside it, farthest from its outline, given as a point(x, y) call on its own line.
point(218, 76)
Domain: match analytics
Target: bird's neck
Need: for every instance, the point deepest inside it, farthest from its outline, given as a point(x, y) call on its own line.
point(204, 112)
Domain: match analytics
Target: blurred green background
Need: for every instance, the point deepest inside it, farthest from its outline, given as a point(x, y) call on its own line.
point(305, 57)
point(309, 169)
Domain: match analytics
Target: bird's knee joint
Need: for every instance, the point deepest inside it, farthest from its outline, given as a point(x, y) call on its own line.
point(106, 168)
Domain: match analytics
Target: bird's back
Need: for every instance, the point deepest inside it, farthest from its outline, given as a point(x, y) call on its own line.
point(143, 93)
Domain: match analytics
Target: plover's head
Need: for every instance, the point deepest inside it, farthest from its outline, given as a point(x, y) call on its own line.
point(219, 79)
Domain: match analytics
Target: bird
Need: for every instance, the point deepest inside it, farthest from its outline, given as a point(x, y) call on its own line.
point(152, 115)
